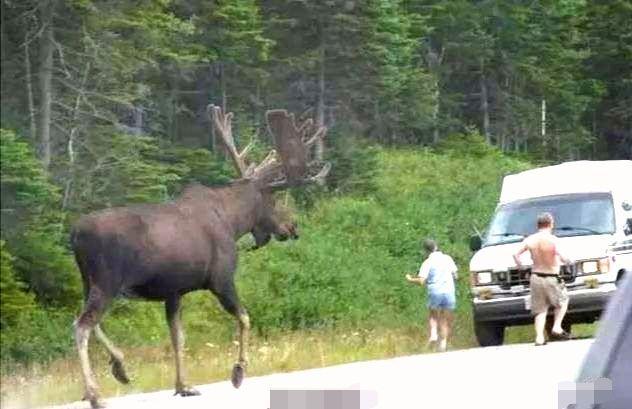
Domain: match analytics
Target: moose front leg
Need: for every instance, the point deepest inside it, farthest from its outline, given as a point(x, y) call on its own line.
point(244, 332)
point(227, 296)
point(89, 318)
point(172, 307)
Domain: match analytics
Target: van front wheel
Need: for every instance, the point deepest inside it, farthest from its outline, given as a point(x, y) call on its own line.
point(489, 333)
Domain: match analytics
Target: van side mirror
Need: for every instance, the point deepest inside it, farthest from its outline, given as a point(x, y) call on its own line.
point(628, 227)
point(475, 242)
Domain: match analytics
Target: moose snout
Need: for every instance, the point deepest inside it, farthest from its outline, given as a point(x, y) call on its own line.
point(287, 231)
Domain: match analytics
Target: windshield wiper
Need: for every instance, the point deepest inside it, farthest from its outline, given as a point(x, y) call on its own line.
point(506, 234)
point(586, 229)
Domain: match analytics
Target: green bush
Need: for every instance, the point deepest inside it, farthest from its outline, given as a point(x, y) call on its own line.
point(15, 302)
point(354, 166)
point(347, 268)
point(38, 336)
point(25, 190)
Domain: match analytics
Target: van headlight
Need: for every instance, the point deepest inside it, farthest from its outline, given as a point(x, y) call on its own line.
point(590, 267)
point(484, 277)
point(596, 266)
point(604, 265)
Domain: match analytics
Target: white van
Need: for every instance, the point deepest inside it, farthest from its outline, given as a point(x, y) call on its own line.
point(591, 202)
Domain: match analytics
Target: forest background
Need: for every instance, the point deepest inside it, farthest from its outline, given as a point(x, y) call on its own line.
point(428, 104)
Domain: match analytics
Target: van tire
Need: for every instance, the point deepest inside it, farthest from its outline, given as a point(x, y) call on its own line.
point(489, 334)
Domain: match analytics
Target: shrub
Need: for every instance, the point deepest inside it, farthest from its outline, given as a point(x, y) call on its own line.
point(16, 301)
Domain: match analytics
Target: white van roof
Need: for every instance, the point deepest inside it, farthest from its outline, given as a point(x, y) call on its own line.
point(569, 177)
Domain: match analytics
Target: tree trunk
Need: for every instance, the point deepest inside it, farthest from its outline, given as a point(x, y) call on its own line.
point(71, 139)
point(435, 113)
point(45, 80)
point(211, 142)
point(543, 132)
point(434, 59)
point(222, 84)
point(29, 88)
point(320, 108)
point(377, 119)
point(138, 120)
point(484, 104)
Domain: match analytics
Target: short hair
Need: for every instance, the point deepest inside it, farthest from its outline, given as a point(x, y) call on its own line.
point(430, 245)
point(545, 220)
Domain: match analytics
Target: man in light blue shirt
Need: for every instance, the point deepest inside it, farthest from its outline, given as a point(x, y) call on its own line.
point(438, 272)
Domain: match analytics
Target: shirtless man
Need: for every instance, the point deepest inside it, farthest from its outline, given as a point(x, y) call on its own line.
point(547, 289)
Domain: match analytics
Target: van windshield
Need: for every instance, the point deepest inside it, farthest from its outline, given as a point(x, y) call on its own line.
point(575, 215)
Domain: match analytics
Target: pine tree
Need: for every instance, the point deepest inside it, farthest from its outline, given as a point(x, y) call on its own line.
point(16, 301)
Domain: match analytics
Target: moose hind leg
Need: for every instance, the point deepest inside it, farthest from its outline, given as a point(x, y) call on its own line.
point(92, 313)
point(116, 356)
point(229, 300)
point(173, 312)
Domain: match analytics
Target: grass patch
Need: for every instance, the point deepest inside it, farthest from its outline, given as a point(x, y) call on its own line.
point(153, 368)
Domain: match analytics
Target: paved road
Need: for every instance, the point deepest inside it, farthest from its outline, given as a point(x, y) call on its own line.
point(514, 376)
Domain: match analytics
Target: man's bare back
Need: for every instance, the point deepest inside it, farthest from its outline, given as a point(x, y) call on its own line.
point(544, 252)
point(544, 284)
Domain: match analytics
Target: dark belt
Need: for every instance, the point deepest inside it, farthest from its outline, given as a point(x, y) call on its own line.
point(545, 274)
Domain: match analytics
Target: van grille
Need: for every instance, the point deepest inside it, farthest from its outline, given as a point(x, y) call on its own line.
point(521, 276)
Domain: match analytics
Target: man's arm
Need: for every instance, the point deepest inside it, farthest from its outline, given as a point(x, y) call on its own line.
point(411, 279)
point(521, 250)
point(454, 269)
point(561, 255)
point(421, 276)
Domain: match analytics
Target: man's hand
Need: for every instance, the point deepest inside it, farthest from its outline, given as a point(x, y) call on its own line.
point(518, 263)
point(516, 256)
point(418, 280)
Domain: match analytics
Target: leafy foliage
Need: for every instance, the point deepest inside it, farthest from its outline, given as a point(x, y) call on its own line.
point(25, 188)
point(124, 120)
point(15, 302)
point(375, 240)
point(354, 166)
point(33, 226)
point(347, 269)
point(117, 169)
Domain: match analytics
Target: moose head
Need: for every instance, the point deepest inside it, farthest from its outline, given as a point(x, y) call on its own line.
point(289, 165)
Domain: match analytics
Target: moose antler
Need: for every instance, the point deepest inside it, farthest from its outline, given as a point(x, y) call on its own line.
point(293, 144)
point(223, 126)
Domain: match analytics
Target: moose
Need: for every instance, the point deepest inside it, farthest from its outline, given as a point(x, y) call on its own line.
point(160, 252)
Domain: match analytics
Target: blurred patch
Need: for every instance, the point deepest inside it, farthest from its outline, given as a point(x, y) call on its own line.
point(322, 399)
point(584, 395)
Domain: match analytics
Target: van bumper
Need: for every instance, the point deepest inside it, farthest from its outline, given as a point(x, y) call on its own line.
point(585, 305)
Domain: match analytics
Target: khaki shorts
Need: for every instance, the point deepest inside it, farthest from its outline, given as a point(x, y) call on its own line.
point(546, 292)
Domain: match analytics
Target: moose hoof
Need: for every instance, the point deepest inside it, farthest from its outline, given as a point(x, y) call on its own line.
point(119, 372)
point(238, 375)
point(186, 391)
point(95, 402)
